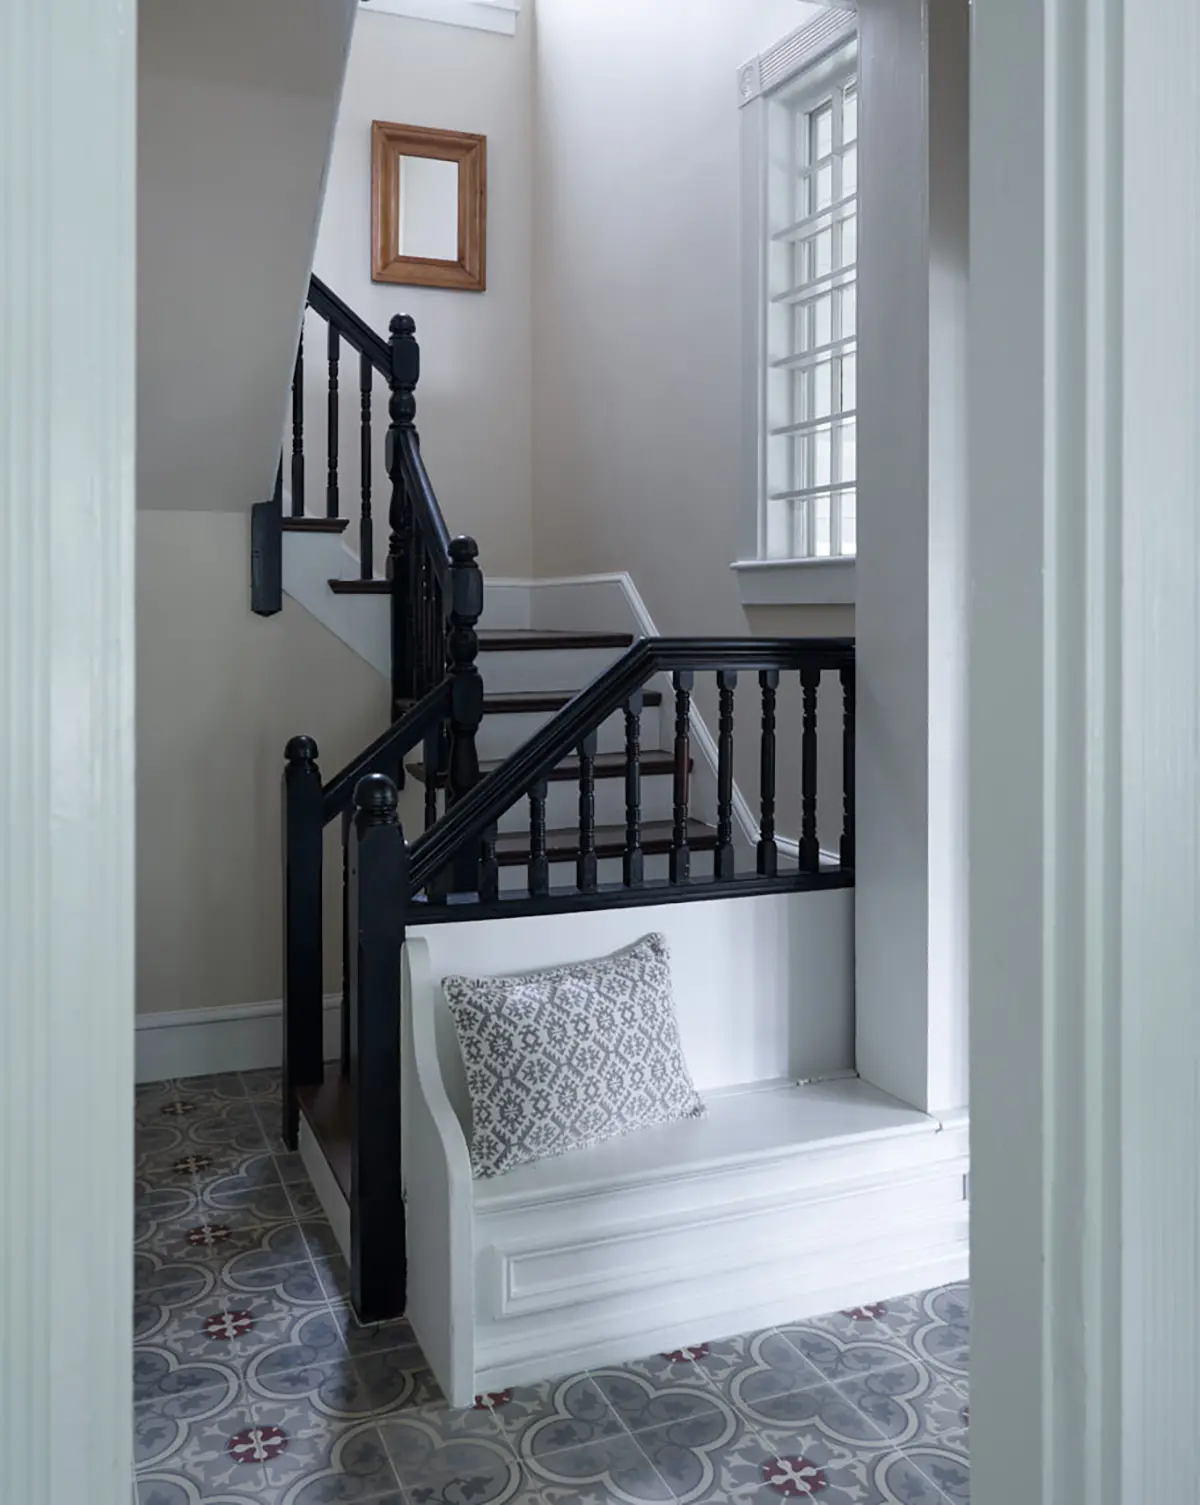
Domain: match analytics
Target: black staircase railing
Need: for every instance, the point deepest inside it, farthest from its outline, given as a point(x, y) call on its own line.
point(419, 556)
point(464, 841)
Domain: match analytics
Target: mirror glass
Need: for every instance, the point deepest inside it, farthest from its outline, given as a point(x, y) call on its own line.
point(428, 218)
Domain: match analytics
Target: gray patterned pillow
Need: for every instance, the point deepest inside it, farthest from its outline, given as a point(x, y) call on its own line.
point(570, 1056)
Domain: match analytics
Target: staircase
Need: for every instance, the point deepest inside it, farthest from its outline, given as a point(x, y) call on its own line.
point(540, 772)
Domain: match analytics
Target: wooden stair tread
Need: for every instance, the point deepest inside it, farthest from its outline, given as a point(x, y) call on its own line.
point(315, 524)
point(608, 766)
point(360, 587)
point(524, 640)
point(512, 848)
point(520, 701)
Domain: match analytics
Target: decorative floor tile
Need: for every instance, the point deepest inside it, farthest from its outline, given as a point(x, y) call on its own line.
point(908, 1404)
point(805, 1466)
point(687, 1453)
point(947, 1463)
point(255, 1385)
point(837, 1357)
point(474, 1470)
point(297, 1285)
point(332, 1465)
point(744, 1370)
point(377, 1337)
point(640, 1403)
point(822, 1409)
point(611, 1468)
point(541, 1419)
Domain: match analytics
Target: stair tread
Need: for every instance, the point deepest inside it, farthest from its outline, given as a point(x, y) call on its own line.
point(360, 587)
point(531, 638)
point(512, 848)
point(545, 700)
point(315, 524)
point(608, 766)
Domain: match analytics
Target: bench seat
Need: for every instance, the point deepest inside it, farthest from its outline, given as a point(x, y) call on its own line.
point(789, 1198)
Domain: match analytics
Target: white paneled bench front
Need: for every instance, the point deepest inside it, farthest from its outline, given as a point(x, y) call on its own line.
point(805, 1189)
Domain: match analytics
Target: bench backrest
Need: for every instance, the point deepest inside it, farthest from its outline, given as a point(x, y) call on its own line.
point(763, 986)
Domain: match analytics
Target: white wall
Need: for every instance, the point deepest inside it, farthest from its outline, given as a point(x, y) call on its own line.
point(473, 401)
point(219, 692)
point(236, 104)
point(638, 294)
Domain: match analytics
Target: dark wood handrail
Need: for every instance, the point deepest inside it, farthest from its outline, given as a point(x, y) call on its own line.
point(479, 810)
point(355, 331)
point(428, 514)
point(387, 750)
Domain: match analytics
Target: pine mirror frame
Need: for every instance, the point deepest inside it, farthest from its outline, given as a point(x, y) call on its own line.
point(390, 142)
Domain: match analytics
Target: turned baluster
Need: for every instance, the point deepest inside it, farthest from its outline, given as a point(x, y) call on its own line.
point(489, 867)
point(405, 368)
point(768, 854)
point(331, 437)
point(539, 862)
point(585, 864)
point(681, 857)
point(848, 713)
point(466, 693)
point(633, 865)
point(433, 766)
point(298, 431)
point(366, 533)
point(810, 852)
point(723, 861)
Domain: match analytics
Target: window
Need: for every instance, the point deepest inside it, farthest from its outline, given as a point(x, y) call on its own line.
point(800, 157)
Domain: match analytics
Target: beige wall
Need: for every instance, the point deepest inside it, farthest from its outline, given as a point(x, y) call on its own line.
point(638, 295)
point(473, 401)
point(219, 692)
point(236, 108)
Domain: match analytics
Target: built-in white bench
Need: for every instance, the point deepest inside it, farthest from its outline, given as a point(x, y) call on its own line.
point(804, 1190)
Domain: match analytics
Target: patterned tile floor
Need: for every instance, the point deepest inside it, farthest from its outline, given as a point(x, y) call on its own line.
point(254, 1385)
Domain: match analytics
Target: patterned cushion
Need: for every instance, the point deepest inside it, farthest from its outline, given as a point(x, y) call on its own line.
point(567, 1057)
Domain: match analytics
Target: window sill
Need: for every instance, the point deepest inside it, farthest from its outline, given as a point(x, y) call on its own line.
point(481, 15)
point(796, 582)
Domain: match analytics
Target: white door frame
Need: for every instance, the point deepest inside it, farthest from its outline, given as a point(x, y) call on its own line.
point(1084, 676)
point(67, 235)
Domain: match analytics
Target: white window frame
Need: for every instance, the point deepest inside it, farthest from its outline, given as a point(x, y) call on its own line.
point(480, 15)
point(816, 49)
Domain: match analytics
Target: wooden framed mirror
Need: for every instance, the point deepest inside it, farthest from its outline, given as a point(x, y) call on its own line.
point(428, 207)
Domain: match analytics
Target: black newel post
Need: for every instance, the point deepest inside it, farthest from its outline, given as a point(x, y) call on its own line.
point(466, 693)
point(378, 879)
point(402, 412)
point(302, 980)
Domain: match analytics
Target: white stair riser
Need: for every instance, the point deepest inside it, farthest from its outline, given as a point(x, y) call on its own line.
point(502, 733)
point(562, 803)
point(562, 874)
point(506, 672)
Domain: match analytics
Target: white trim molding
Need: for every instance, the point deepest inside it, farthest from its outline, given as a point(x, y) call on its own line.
point(1083, 726)
point(479, 15)
point(796, 582)
point(240, 1037)
point(68, 161)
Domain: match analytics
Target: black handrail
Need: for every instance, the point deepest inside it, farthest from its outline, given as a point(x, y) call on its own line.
point(428, 514)
point(387, 751)
point(356, 331)
point(473, 816)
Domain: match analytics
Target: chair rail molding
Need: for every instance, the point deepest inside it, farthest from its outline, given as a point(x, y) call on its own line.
point(68, 163)
point(1082, 728)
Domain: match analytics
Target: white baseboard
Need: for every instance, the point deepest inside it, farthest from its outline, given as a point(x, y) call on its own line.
point(243, 1037)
